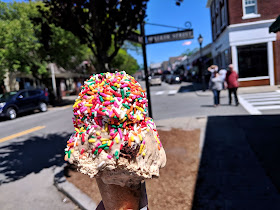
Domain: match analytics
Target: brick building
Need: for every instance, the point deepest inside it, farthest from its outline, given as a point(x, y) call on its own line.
point(240, 32)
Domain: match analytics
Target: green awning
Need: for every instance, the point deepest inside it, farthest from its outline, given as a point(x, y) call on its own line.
point(275, 26)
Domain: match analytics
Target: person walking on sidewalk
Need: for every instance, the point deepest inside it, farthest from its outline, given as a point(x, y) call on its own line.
point(216, 87)
point(232, 84)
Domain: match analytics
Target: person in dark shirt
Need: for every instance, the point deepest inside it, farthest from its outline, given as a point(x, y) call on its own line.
point(232, 84)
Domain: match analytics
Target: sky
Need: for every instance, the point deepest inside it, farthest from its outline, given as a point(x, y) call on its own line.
point(166, 12)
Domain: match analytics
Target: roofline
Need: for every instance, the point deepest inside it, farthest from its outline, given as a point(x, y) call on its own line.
point(208, 3)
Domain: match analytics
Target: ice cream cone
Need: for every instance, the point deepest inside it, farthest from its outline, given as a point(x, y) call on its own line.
point(115, 197)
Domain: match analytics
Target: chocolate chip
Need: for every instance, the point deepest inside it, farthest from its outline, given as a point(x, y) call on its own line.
point(129, 152)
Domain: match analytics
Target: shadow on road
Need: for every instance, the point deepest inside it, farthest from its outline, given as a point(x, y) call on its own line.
point(239, 167)
point(19, 159)
point(186, 88)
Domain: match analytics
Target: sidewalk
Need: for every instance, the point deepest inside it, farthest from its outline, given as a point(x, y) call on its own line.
point(239, 164)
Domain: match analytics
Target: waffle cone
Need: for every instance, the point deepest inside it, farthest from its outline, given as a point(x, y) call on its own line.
point(115, 197)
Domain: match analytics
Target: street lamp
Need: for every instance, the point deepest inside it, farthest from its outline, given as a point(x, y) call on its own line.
point(200, 40)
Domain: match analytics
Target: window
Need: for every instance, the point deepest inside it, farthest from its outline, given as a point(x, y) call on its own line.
point(33, 92)
point(213, 10)
point(223, 16)
point(252, 60)
point(250, 9)
point(218, 24)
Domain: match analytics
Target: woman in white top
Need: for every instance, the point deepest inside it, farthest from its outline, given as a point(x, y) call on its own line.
point(216, 86)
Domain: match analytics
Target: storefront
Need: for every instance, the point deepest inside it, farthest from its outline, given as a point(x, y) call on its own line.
point(249, 46)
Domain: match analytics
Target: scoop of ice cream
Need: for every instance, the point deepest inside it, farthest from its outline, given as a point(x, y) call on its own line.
point(114, 139)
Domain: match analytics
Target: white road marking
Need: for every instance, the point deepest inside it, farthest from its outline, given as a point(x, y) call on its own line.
point(252, 110)
point(268, 107)
point(159, 93)
point(172, 92)
point(261, 96)
point(256, 102)
point(265, 103)
point(264, 99)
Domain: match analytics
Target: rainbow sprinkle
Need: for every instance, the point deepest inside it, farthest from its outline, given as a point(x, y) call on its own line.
point(109, 114)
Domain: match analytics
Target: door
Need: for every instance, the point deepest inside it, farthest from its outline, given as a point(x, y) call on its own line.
point(34, 96)
point(22, 101)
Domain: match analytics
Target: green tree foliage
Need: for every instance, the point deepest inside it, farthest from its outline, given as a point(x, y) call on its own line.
point(21, 48)
point(98, 24)
point(190, 52)
point(124, 61)
point(18, 44)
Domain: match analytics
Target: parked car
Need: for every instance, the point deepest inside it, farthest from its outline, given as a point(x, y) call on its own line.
point(173, 78)
point(13, 103)
point(155, 80)
point(164, 75)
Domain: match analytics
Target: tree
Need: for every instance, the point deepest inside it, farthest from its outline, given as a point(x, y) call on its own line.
point(190, 52)
point(102, 25)
point(21, 48)
point(124, 61)
point(18, 44)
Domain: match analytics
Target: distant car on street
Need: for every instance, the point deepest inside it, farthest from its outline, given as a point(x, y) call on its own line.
point(13, 103)
point(155, 80)
point(173, 78)
point(164, 75)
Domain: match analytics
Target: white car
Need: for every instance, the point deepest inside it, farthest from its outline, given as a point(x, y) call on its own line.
point(154, 80)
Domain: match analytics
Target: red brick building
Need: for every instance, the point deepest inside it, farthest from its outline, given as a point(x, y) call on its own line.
point(240, 32)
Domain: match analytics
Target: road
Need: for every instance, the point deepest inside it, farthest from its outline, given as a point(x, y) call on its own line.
point(180, 100)
point(27, 162)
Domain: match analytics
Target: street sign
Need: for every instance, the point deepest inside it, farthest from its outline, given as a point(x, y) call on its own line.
point(134, 37)
point(171, 36)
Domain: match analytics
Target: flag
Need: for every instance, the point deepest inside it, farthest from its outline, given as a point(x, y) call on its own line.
point(187, 43)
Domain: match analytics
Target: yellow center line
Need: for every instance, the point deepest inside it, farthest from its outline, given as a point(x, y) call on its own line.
point(21, 133)
point(67, 106)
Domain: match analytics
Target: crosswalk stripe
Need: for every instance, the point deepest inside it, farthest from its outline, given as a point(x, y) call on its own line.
point(256, 102)
point(268, 107)
point(264, 99)
point(172, 92)
point(159, 92)
point(252, 110)
point(265, 103)
point(261, 96)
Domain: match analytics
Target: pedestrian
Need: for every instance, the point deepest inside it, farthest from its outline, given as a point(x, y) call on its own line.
point(232, 84)
point(216, 87)
point(223, 74)
point(212, 69)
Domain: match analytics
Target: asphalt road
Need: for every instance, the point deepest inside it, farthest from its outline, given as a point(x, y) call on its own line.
point(181, 100)
point(27, 162)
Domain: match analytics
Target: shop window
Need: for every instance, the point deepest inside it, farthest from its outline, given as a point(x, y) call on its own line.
point(250, 9)
point(252, 60)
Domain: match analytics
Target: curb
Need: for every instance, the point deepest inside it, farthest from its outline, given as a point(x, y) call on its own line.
point(82, 200)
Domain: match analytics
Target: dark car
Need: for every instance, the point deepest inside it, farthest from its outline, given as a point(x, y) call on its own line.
point(13, 103)
point(164, 75)
point(173, 78)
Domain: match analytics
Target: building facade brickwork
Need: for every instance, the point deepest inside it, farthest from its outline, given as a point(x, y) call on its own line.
point(268, 9)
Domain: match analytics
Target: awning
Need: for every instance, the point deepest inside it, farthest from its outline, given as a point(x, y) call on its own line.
point(275, 26)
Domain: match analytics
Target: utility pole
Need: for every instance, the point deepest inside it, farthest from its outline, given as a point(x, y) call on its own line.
point(146, 69)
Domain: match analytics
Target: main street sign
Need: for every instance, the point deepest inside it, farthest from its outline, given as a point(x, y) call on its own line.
point(134, 37)
point(172, 36)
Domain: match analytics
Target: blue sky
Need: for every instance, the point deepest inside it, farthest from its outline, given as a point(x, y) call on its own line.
point(167, 13)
